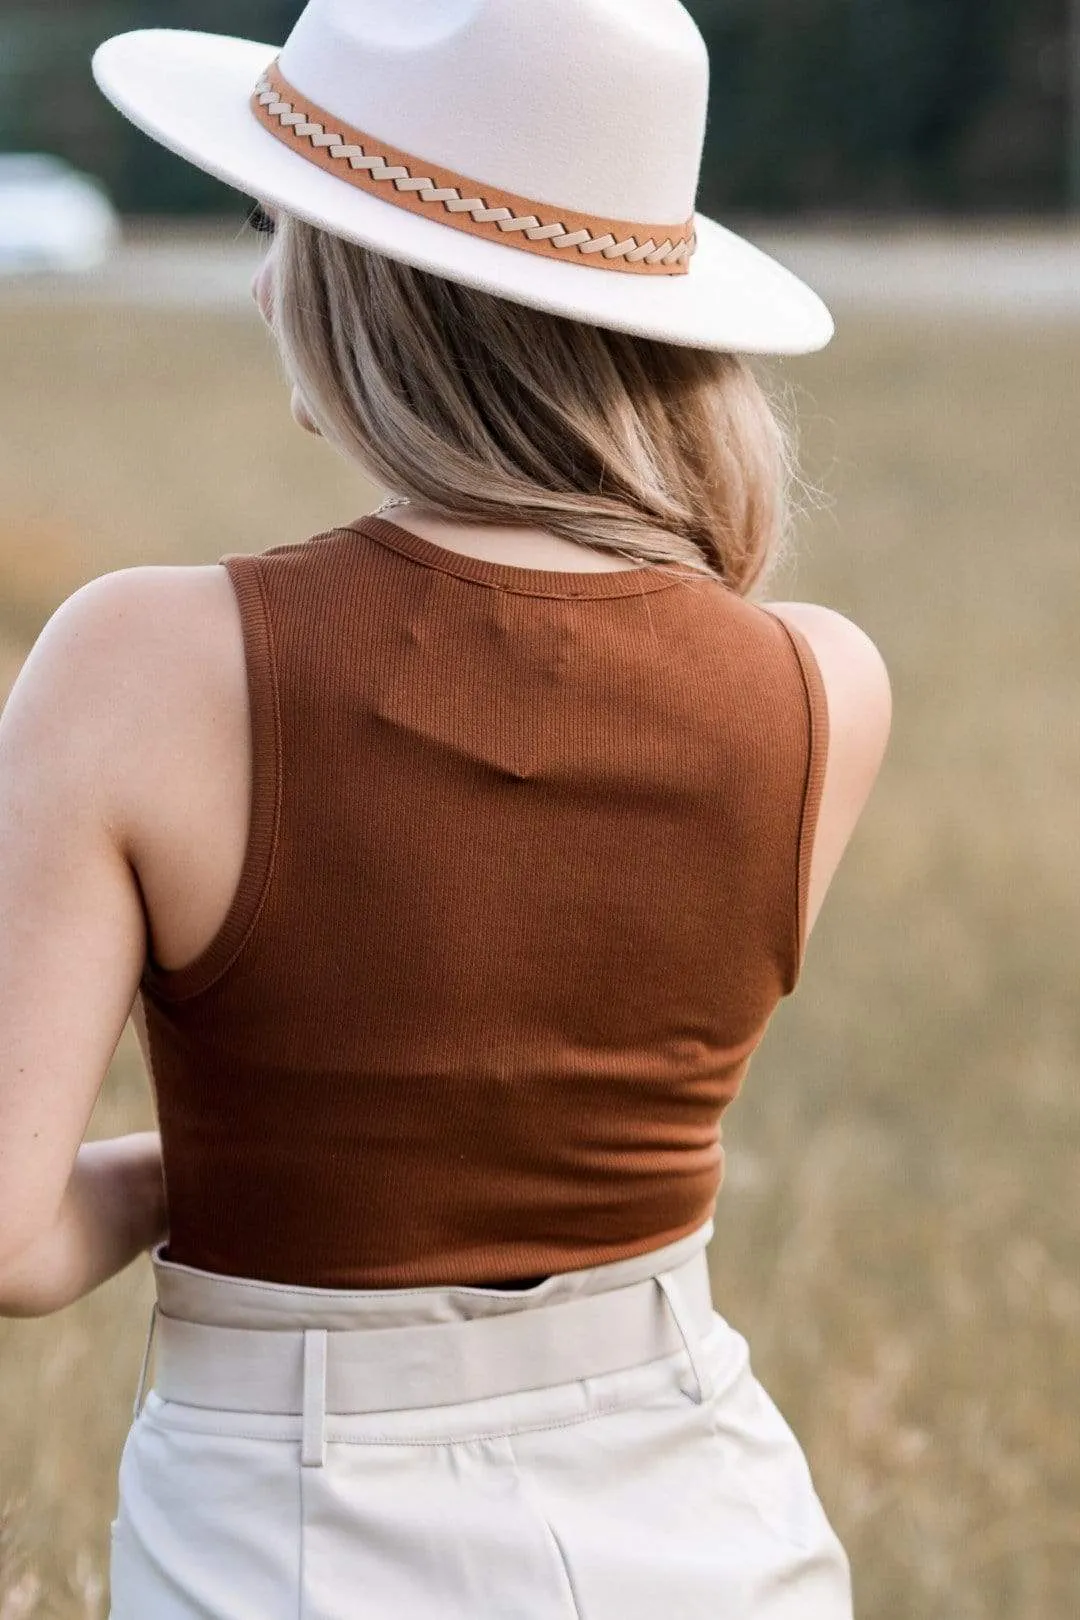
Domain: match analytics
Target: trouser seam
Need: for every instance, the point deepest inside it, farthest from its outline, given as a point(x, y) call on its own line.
point(530, 1496)
point(396, 1440)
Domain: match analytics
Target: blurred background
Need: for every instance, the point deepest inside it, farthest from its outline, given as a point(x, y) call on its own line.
point(898, 1234)
point(817, 104)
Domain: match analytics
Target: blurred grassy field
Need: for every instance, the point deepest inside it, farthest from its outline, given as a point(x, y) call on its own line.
point(899, 1231)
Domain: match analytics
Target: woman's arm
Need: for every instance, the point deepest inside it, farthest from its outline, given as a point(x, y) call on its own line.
point(76, 738)
point(112, 1210)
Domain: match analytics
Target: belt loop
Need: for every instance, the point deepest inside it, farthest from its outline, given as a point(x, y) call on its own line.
point(139, 1393)
point(313, 1422)
point(672, 1291)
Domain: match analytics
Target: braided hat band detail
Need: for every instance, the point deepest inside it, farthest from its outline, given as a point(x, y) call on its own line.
point(438, 193)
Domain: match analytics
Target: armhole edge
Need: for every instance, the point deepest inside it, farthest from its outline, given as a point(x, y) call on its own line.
point(209, 967)
point(817, 710)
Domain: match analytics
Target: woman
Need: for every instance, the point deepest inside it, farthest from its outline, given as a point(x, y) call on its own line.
point(457, 861)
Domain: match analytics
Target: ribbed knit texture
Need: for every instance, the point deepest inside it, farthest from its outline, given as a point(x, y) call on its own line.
point(526, 878)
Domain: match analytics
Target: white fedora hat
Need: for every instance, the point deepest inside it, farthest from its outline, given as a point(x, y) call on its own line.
point(546, 151)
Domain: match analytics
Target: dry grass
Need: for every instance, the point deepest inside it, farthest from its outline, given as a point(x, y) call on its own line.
point(898, 1235)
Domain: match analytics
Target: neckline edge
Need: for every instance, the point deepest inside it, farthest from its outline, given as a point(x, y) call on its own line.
point(554, 582)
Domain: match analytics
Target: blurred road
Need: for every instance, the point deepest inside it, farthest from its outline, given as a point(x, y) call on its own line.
point(1004, 271)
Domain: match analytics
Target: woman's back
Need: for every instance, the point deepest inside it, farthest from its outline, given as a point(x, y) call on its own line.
point(543, 868)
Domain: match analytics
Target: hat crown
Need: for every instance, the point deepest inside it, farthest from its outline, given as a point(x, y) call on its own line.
point(598, 106)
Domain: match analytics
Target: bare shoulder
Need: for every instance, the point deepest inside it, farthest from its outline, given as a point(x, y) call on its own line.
point(132, 634)
point(149, 605)
point(145, 668)
point(853, 670)
point(859, 700)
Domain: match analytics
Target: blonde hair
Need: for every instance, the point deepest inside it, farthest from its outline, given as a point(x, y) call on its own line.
point(491, 412)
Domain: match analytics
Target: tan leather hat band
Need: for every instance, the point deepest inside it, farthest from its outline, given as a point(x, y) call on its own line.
point(467, 205)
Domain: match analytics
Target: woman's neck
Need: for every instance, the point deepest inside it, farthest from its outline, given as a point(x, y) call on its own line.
point(519, 546)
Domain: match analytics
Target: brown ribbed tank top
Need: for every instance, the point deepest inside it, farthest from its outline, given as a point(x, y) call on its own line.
point(526, 876)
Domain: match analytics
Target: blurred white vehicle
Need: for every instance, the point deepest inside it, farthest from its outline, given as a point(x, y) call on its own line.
point(52, 217)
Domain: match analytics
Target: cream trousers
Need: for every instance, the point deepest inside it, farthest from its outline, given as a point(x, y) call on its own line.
point(595, 1447)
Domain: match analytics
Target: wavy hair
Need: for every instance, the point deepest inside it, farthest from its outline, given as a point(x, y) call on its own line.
point(488, 411)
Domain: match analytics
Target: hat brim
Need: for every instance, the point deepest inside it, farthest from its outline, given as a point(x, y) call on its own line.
point(191, 92)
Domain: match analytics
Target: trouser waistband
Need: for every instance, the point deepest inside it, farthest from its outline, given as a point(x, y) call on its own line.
point(485, 1342)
